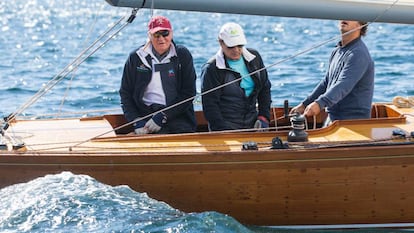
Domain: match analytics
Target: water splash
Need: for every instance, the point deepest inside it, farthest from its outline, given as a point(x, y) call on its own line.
point(67, 202)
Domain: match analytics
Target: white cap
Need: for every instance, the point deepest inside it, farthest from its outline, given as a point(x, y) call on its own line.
point(232, 34)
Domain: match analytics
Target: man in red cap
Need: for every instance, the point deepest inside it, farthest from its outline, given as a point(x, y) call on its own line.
point(158, 75)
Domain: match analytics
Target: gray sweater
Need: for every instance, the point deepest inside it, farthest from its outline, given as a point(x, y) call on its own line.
point(347, 89)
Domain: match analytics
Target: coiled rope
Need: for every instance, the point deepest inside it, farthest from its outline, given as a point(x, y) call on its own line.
point(403, 102)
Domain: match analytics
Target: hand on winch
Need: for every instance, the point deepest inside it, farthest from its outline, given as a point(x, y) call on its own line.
point(312, 109)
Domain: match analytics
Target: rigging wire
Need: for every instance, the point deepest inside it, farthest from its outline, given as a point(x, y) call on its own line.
point(92, 26)
point(85, 54)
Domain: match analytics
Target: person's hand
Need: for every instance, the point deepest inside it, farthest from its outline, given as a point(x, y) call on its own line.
point(155, 123)
point(141, 131)
point(300, 108)
point(139, 127)
point(312, 109)
point(261, 123)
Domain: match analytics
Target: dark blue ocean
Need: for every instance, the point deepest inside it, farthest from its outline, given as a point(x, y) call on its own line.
point(39, 38)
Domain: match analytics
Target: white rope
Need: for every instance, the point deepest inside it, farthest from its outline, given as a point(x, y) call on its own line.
point(403, 102)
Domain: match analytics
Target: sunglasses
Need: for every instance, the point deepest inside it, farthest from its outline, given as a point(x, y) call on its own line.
point(163, 33)
point(238, 46)
point(232, 47)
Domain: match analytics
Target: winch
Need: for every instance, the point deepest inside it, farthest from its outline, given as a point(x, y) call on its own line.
point(298, 133)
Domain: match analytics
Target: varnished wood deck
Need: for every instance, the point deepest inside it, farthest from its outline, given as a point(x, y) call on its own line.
point(96, 134)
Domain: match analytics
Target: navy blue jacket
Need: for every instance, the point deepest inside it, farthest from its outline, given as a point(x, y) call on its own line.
point(228, 107)
point(177, 87)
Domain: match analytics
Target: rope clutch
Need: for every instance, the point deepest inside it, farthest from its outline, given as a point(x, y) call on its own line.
point(403, 102)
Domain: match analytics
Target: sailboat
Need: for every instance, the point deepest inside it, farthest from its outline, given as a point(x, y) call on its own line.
point(350, 172)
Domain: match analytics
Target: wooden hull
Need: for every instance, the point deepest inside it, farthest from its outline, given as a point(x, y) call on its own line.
point(318, 182)
point(330, 186)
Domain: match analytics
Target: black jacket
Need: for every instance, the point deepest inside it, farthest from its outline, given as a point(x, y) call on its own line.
point(177, 87)
point(228, 107)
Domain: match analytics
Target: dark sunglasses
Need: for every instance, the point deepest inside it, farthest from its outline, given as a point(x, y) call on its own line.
point(238, 46)
point(232, 47)
point(163, 33)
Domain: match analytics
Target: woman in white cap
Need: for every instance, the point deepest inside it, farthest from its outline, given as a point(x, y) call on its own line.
point(157, 75)
point(245, 103)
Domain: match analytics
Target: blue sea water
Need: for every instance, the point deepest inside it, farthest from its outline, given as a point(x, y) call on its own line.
point(67, 202)
point(38, 38)
point(78, 203)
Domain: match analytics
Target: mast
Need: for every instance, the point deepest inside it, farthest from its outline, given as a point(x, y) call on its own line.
point(391, 11)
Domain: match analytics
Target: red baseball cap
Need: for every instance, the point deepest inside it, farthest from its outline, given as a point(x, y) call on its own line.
point(158, 23)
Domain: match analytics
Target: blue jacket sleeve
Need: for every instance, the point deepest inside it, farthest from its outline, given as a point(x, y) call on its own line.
point(318, 91)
